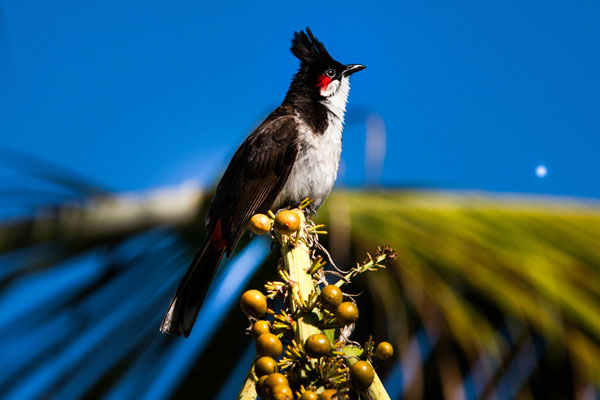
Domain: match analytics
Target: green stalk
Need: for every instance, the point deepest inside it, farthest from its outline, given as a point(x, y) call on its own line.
point(377, 391)
point(296, 256)
point(248, 391)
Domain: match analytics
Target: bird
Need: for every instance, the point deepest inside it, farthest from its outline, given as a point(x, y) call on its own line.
point(292, 155)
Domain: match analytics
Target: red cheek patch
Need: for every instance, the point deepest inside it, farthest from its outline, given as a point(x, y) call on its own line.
point(323, 82)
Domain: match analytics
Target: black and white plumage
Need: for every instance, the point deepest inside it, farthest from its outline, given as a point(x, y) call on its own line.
point(292, 155)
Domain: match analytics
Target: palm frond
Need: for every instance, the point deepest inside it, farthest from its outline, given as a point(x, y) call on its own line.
point(476, 261)
point(482, 282)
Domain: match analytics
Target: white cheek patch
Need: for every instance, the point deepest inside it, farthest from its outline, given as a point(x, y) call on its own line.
point(330, 89)
point(337, 97)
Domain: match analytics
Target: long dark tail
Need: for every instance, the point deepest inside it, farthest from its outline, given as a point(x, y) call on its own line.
point(184, 307)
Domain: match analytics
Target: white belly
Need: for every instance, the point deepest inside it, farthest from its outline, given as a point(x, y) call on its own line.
point(316, 166)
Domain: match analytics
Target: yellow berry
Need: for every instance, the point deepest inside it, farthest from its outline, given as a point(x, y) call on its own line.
point(384, 350)
point(317, 345)
point(253, 303)
point(264, 366)
point(260, 224)
point(327, 394)
point(282, 392)
point(308, 395)
point(260, 389)
point(287, 222)
point(362, 375)
point(331, 297)
point(268, 345)
point(273, 380)
point(260, 327)
point(346, 313)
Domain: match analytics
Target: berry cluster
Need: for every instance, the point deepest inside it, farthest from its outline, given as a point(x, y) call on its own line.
point(305, 352)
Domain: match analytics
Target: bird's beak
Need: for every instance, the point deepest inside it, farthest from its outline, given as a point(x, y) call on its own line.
point(352, 68)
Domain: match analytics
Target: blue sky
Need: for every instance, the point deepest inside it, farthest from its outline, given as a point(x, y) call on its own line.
point(473, 94)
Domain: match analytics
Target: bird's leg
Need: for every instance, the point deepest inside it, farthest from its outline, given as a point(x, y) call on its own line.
point(311, 211)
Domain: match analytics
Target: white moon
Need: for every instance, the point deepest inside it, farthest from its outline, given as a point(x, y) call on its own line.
point(541, 171)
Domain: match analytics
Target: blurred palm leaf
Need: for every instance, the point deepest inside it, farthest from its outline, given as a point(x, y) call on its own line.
point(482, 282)
point(471, 262)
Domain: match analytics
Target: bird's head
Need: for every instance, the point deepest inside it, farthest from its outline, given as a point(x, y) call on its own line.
point(318, 70)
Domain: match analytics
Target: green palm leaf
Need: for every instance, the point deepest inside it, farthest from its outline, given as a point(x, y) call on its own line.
point(470, 268)
point(535, 260)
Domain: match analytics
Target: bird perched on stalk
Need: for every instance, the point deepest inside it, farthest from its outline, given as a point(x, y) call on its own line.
point(292, 155)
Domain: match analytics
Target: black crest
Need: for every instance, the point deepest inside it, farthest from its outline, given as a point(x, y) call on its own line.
point(308, 49)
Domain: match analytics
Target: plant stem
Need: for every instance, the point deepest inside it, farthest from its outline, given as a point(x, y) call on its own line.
point(296, 256)
point(377, 391)
point(360, 269)
point(248, 391)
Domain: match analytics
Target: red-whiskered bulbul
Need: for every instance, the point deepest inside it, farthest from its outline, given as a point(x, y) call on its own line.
point(292, 155)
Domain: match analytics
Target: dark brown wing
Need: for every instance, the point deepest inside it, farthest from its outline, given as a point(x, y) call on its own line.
point(254, 177)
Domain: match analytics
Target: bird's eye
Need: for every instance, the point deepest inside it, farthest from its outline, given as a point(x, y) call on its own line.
point(330, 73)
